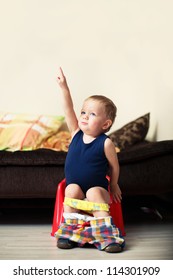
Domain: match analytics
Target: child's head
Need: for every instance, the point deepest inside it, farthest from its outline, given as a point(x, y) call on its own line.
point(109, 107)
point(102, 110)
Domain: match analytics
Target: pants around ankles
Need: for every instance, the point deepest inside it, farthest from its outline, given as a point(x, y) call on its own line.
point(98, 231)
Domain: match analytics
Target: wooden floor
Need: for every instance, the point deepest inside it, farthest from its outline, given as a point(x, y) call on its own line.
point(26, 235)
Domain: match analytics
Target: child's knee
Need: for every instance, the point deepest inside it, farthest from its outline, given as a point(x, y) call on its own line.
point(98, 194)
point(74, 191)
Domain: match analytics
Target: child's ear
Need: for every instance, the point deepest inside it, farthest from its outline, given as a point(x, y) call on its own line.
point(107, 124)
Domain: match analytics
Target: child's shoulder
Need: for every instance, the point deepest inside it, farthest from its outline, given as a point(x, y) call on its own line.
point(108, 142)
point(76, 132)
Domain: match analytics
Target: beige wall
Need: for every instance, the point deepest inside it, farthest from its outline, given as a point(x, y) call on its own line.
point(123, 49)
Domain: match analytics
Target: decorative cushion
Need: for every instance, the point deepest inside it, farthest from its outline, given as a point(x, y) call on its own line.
point(27, 132)
point(59, 141)
point(131, 133)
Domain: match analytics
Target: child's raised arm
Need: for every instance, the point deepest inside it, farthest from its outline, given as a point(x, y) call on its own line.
point(67, 103)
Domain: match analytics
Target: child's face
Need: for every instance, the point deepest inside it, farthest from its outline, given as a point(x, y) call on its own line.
point(92, 118)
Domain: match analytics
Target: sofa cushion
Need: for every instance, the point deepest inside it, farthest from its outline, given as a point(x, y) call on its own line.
point(58, 142)
point(29, 132)
point(131, 133)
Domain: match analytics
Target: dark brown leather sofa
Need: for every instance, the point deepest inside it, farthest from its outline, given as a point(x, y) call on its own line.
point(145, 169)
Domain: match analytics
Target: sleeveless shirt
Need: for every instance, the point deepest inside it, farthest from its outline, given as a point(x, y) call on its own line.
point(86, 164)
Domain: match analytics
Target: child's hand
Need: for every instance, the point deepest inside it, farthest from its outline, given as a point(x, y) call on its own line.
point(116, 193)
point(61, 79)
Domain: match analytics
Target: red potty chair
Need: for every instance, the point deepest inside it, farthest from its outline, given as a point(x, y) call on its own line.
point(115, 210)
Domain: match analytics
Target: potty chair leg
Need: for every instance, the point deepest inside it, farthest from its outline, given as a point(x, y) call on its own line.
point(58, 210)
point(117, 216)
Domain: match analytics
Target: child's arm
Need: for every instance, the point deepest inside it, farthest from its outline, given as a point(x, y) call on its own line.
point(67, 102)
point(114, 169)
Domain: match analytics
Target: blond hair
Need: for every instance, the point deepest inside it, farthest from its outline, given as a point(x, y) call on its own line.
point(109, 106)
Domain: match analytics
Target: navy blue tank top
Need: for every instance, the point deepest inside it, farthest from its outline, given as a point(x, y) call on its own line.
point(86, 164)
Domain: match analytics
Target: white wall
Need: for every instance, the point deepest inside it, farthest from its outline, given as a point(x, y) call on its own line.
point(122, 49)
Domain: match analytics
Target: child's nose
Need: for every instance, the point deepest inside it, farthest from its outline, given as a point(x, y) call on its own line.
point(86, 116)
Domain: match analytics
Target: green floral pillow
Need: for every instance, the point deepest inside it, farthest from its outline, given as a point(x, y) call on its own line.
point(131, 133)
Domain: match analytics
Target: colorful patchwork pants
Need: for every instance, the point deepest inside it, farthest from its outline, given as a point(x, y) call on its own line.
point(84, 229)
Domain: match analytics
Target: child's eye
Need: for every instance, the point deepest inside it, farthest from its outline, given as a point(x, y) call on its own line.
point(92, 114)
point(82, 113)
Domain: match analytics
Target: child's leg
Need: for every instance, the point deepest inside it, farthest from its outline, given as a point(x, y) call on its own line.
point(98, 195)
point(106, 236)
point(73, 191)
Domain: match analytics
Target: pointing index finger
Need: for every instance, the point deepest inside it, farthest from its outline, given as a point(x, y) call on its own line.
point(61, 72)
